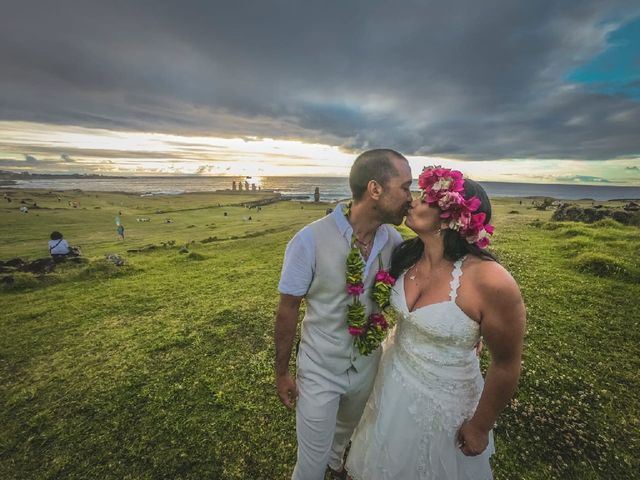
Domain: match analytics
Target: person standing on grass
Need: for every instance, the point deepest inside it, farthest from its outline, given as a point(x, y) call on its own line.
point(120, 231)
point(335, 264)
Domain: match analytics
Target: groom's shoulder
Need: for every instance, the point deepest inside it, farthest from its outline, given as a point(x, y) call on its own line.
point(323, 222)
point(307, 232)
point(393, 236)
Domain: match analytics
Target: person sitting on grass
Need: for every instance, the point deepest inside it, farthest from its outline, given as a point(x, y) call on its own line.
point(59, 248)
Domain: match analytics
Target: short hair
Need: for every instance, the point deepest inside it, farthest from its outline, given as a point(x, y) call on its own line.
point(55, 235)
point(372, 165)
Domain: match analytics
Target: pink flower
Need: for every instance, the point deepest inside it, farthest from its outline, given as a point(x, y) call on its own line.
point(473, 204)
point(483, 242)
point(385, 277)
point(355, 289)
point(379, 320)
point(444, 188)
point(356, 331)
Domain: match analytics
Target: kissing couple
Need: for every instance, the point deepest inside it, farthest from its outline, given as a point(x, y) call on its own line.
point(388, 348)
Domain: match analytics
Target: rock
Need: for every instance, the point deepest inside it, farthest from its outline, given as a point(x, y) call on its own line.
point(632, 207)
point(15, 262)
point(40, 266)
point(574, 213)
point(183, 250)
point(621, 216)
point(117, 260)
point(144, 248)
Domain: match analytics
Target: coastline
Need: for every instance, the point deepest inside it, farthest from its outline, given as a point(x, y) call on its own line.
point(307, 198)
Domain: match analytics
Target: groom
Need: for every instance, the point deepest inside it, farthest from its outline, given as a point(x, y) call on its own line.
point(333, 379)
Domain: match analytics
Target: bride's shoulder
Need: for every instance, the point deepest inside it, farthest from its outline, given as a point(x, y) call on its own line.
point(489, 275)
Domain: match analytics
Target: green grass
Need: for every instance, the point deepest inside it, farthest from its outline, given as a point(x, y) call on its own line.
point(162, 368)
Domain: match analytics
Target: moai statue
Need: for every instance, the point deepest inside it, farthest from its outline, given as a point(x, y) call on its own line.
point(240, 186)
point(233, 186)
point(246, 185)
point(253, 187)
point(316, 195)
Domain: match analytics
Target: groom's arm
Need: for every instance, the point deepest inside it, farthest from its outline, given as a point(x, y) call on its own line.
point(285, 333)
point(297, 272)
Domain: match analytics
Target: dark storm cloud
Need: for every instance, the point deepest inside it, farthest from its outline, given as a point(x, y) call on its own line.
point(456, 78)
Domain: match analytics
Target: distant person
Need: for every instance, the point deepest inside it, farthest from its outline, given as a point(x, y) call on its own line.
point(120, 231)
point(59, 248)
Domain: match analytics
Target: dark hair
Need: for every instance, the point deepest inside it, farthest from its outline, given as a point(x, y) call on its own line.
point(455, 245)
point(55, 235)
point(372, 165)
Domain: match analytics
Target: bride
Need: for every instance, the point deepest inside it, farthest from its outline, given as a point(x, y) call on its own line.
point(430, 414)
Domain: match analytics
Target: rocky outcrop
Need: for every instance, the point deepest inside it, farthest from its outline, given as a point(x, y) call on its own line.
point(574, 213)
point(39, 266)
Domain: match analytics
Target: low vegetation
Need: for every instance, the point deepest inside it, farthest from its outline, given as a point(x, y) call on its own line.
point(162, 368)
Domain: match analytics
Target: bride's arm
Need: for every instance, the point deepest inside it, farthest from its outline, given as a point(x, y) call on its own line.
point(502, 327)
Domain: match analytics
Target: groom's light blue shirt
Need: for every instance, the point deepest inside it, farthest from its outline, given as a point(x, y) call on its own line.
point(299, 265)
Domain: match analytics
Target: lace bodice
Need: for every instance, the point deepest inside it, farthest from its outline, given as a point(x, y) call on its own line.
point(437, 341)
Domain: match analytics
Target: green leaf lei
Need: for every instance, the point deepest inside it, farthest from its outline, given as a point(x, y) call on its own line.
point(368, 332)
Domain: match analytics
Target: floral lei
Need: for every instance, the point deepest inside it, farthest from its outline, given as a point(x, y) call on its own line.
point(368, 332)
point(443, 187)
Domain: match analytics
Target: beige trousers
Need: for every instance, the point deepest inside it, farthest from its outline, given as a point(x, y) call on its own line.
point(328, 409)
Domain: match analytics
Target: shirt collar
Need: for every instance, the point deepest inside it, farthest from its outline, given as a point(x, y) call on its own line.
point(344, 227)
point(346, 230)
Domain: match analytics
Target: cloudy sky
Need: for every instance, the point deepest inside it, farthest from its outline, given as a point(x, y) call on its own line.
point(505, 90)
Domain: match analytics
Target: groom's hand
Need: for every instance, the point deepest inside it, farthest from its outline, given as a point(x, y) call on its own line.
point(287, 389)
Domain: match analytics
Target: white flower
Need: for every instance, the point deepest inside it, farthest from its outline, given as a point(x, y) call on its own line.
point(442, 184)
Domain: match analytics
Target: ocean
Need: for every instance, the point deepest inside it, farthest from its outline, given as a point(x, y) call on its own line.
point(331, 188)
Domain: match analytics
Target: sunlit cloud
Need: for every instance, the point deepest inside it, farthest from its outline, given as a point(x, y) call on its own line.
point(54, 149)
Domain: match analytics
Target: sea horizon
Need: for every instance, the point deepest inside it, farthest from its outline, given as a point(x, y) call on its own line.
point(332, 188)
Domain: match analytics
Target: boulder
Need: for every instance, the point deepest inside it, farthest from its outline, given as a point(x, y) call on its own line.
point(574, 213)
point(40, 266)
point(117, 260)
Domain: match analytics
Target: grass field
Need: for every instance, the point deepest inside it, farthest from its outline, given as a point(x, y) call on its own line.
point(162, 368)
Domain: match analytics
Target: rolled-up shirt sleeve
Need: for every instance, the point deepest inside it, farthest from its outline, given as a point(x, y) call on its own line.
point(298, 266)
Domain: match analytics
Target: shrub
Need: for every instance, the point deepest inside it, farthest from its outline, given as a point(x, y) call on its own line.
point(579, 243)
point(576, 231)
point(607, 222)
point(101, 269)
point(635, 219)
point(19, 281)
point(600, 265)
point(537, 223)
point(552, 225)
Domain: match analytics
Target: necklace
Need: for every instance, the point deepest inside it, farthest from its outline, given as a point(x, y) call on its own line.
point(415, 272)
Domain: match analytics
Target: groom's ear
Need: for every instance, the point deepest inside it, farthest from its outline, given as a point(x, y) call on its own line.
point(374, 189)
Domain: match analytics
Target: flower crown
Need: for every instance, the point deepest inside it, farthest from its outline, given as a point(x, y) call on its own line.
point(444, 187)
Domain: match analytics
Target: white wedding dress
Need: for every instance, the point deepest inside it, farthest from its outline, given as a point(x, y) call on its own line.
point(428, 383)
